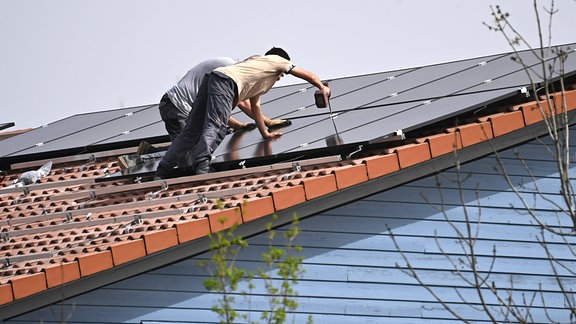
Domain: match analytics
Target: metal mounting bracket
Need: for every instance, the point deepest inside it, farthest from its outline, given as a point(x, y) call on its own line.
point(91, 160)
point(360, 147)
point(155, 194)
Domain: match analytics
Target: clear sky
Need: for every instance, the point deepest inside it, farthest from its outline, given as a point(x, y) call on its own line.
point(64, 57)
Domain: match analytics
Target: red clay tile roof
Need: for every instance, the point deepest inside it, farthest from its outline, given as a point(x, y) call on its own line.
point(68, 226)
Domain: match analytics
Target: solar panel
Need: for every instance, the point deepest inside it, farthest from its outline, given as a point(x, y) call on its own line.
point(83, 130)
point(366, 108)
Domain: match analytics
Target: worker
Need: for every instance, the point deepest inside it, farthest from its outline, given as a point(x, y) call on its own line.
point(176, 104)
point(220, 91)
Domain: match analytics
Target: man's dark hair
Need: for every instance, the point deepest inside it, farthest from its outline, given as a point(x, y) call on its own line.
point(278, 51)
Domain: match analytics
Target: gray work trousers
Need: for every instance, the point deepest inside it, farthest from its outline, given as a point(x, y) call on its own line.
point(206, 124)
point(174, 120)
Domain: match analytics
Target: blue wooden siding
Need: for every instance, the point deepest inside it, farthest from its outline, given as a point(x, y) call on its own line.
point(351, 262)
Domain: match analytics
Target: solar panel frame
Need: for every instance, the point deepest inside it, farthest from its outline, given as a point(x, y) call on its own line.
point(477, 82)
point(76, 131)
point(365, 108)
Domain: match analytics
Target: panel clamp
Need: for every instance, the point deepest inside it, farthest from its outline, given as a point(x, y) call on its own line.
point(296, 167)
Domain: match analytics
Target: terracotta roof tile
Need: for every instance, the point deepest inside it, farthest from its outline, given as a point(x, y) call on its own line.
point(68, 226)
point(442, 143)
point(223, 219)
point(192, 229)
point(473, 133)
point(6, 295)
point(160, 240)
point(411, 154)
point(318, 185)
point(256, 207)
point(91, 263)
point(534, 112)
point(61, 273)
point(349, 175)
point(26, 285)
point(287, 196)
point(505, 122)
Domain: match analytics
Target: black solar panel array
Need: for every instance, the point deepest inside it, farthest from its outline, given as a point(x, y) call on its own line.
point(371, 107)
point(84, 130)
point(364, 108)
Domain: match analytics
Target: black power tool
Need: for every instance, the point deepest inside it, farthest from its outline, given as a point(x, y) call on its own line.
point(322, 101)
point(320, 98)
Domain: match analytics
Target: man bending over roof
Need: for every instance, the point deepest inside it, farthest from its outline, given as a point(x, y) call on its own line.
point(177, 102)
point(219, 93)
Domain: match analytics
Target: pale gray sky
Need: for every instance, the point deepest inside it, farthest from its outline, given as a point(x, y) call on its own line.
point(66, 57)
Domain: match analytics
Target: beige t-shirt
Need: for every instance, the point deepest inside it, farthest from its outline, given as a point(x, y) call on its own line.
point(256, 76)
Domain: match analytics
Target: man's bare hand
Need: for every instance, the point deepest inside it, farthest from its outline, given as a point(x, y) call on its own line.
point(272, 135)
point(326, 91)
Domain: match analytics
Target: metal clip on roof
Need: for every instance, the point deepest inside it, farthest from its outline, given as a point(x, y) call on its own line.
point(91, 160)
point(16, 200)
point(360, 147)
point(202, 198)
point(137, 221)
point(296, 167)
point(25, 191)
point(155, 194)
point(91, 197)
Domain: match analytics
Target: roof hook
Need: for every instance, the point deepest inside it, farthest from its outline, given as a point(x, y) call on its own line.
point(360, 147)
point(296, 167)
point(155, 194)
point(135, 222)
point(201, 200)
point(91, 160)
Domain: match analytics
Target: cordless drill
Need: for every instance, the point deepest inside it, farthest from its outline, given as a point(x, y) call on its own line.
point(320, 98)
